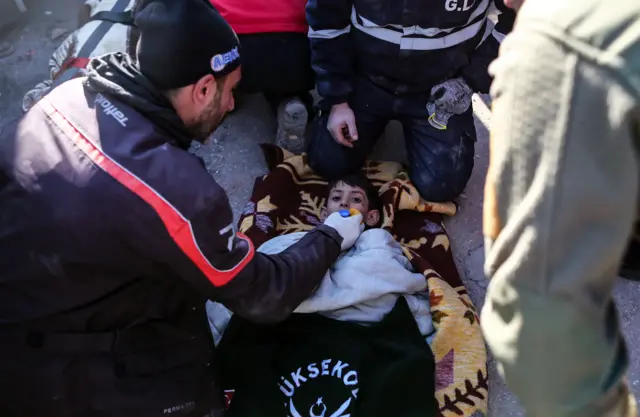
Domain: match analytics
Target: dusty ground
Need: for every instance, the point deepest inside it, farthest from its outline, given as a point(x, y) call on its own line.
point(234, 159)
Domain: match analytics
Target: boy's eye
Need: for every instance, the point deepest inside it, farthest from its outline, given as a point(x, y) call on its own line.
point(335, 198)
point(357, 200)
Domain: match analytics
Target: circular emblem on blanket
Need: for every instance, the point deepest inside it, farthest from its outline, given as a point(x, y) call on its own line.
point(323, 389)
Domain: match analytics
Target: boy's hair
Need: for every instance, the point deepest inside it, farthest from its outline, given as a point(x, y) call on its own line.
point(361, 181)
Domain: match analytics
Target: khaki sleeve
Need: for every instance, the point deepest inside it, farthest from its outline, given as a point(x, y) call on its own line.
point(560, 201)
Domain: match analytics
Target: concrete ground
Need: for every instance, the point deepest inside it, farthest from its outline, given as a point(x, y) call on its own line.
point(233, 157)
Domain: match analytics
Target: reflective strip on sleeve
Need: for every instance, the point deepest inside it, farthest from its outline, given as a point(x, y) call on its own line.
point(178, 227)
point(488, 30)
point(328, 33)
point(423, 39)
point(499, 36)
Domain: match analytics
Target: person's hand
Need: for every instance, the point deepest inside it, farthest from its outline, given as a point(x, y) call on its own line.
point(347, 227)
point(342, 125)
point(448, 98)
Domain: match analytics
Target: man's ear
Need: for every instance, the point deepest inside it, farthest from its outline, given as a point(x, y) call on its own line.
point(373, 217)
point(204, 89)
point(323, 214)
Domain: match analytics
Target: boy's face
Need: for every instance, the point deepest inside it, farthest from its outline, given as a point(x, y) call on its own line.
point(344, 197)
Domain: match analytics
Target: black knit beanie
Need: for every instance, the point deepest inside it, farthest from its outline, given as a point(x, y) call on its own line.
point(181, 41)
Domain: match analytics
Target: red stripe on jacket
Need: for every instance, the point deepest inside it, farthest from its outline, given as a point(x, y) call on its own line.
point(178, 227)
point(80, 63)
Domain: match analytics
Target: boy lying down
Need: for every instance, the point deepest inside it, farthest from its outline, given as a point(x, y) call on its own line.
point(365, 282)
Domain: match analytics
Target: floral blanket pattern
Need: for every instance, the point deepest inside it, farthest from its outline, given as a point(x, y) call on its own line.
point(290, 198)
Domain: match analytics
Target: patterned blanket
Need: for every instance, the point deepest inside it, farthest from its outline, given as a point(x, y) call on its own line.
point(290, 198)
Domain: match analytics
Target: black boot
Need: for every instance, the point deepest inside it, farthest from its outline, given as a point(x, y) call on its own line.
point(630, 268)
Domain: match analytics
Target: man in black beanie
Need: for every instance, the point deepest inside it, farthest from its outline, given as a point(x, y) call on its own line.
point(189, 52)
point(113, 236)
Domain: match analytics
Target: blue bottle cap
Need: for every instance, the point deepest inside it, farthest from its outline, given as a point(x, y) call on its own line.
point(345, 213)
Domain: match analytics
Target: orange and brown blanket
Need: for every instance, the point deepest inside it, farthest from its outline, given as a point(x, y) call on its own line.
point(289, 199)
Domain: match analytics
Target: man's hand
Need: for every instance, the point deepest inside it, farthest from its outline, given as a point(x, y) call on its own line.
point(448, 98)
point(342, 125)
point(347, 227)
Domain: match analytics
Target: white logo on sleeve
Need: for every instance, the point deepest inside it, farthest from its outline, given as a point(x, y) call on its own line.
point(110, 110)
point(220, 61)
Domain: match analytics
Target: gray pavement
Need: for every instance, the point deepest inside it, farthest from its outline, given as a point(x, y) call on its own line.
point(234, 158)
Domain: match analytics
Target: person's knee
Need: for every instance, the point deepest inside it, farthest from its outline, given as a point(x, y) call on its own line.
point(325, 156)
point(442, 173)
point(432, 188)
point(440, 186)
point(327, 167)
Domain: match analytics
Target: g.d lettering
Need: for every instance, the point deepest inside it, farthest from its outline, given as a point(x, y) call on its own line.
point(453, 5)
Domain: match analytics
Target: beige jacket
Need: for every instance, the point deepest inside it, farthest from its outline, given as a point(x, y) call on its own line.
point(560, 201)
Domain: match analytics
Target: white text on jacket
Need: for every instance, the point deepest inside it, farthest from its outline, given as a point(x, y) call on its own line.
point(110, 110)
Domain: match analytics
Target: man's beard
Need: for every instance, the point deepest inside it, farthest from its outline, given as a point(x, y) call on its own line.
point(208, 121)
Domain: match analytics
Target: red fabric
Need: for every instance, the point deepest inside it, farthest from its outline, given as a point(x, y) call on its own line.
point(262, 16)
point(72, 63)
point(177, 226)
point(79, 63)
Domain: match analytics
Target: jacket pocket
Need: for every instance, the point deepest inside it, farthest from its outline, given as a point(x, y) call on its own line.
point(195, 353)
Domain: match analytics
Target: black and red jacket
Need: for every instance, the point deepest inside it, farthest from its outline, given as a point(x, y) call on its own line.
point(109, 226)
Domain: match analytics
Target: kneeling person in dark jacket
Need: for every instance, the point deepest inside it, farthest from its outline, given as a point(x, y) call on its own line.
point(416, 62)
point(113, 236)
